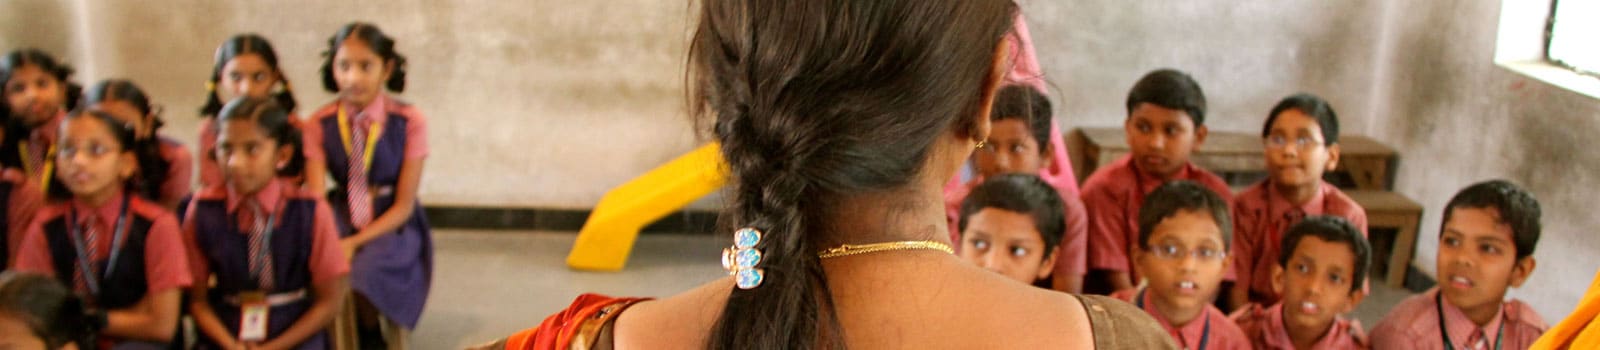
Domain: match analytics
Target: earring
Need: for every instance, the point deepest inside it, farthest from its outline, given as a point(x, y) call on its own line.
point(741, 259)
point(981, 143)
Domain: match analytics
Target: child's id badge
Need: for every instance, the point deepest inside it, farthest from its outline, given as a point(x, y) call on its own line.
point(253, 309)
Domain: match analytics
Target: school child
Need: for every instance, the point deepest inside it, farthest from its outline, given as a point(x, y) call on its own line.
point(1321, 266)
point(1301, 136)
point(1486, 246)
point(118, 250)
point(1012, 224)
point(375, 147)
point(37, 312)
point(1165, 124)
point(1183, 251)
point(272, 247)
point(38, 91)
point(1019, 144)
point(127, 102)
point(245, 66)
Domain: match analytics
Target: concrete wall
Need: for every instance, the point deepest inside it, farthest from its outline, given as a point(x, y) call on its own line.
point(549, 103)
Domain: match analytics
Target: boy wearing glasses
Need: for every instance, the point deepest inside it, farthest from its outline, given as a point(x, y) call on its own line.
point(1183, 253)
point(1302, 142)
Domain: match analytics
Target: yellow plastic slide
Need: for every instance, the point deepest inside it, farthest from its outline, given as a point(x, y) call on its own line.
point(607, 238)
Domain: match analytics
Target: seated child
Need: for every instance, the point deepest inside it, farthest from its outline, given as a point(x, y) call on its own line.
point(1302, 142)
point(1320, 268)
point(37, 312)
point(1165, 125)
point(1019, 143)
point(1011, 225)
point(1183, 249)
point(1485, 247)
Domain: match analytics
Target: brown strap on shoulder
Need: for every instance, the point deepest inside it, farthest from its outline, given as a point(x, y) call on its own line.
point(1119, 325)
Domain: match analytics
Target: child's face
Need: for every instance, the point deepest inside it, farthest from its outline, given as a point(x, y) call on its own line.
point(1477, 259)
point(246, 75)
point(1162, 138)
point(1317, 283)
point(34, 95)
point(127, 114)
point(360, 72)
point(1007, 243)
point(1184, 262)
point(15, 334)
point(1296, 153)
point(250, 159)
point(91, 160)
point(1011, 149)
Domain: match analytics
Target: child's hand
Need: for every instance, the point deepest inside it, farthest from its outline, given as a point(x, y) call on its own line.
point(349, 245)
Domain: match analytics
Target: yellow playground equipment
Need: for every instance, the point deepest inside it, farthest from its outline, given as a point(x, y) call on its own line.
point(607, 238)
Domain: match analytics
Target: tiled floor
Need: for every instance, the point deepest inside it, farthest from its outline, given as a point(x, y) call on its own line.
point(488, 284)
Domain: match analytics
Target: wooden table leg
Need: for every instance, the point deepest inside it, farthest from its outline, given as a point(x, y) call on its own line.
point(1405, 243)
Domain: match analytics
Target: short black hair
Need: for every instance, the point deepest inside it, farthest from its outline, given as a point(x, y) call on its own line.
point(1023, 102)
point(1331, 229)
point(1170, 88)
point(1517, 208)
point(1020, 193)
point(1174, 196)
point(381, 44)
point(1314, 107)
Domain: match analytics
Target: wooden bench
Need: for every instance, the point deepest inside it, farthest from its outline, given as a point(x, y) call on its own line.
point(1364, 160)
point(1394, 211)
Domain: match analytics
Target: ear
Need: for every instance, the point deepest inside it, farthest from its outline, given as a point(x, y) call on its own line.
point(1355, 300)
point(283, 155)
point(1279, 279)
point(1333, 157)
point(1521, 271)
point(1047, 266)
point(1200, 133)
point(980, 125)
point(388, 71)
point(128, 165)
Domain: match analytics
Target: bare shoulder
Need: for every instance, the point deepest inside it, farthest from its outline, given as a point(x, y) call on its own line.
point(677, 322)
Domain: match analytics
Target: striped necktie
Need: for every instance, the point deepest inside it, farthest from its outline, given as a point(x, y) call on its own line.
point(260, 249)
point(357, 194)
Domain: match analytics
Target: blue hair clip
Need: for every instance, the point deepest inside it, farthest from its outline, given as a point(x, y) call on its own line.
point(741, 259)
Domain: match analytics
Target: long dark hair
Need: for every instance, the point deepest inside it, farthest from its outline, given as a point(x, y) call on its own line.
point(381, 43)
point(51, 311)
point(240, 45)
point(274, 122)
point(812, 100)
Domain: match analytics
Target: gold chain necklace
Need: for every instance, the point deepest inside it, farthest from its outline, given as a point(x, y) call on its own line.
point(853, 249)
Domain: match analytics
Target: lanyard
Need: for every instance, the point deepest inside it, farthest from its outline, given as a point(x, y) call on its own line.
point(1205, 333)
point(79, 243)
point(372, 138)
point(1444, 332)
point(28, 166)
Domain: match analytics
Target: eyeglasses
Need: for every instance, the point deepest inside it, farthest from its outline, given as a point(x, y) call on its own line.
point(1301, 142)
point(1175, 252)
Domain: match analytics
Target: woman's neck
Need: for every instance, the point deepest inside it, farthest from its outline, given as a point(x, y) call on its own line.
point(897, 215)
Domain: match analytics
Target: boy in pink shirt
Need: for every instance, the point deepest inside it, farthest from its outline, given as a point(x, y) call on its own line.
point(1166, 123)
point(1320, 268)
point(1183, 248)
point(1302, 142)
point(1485, 247)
